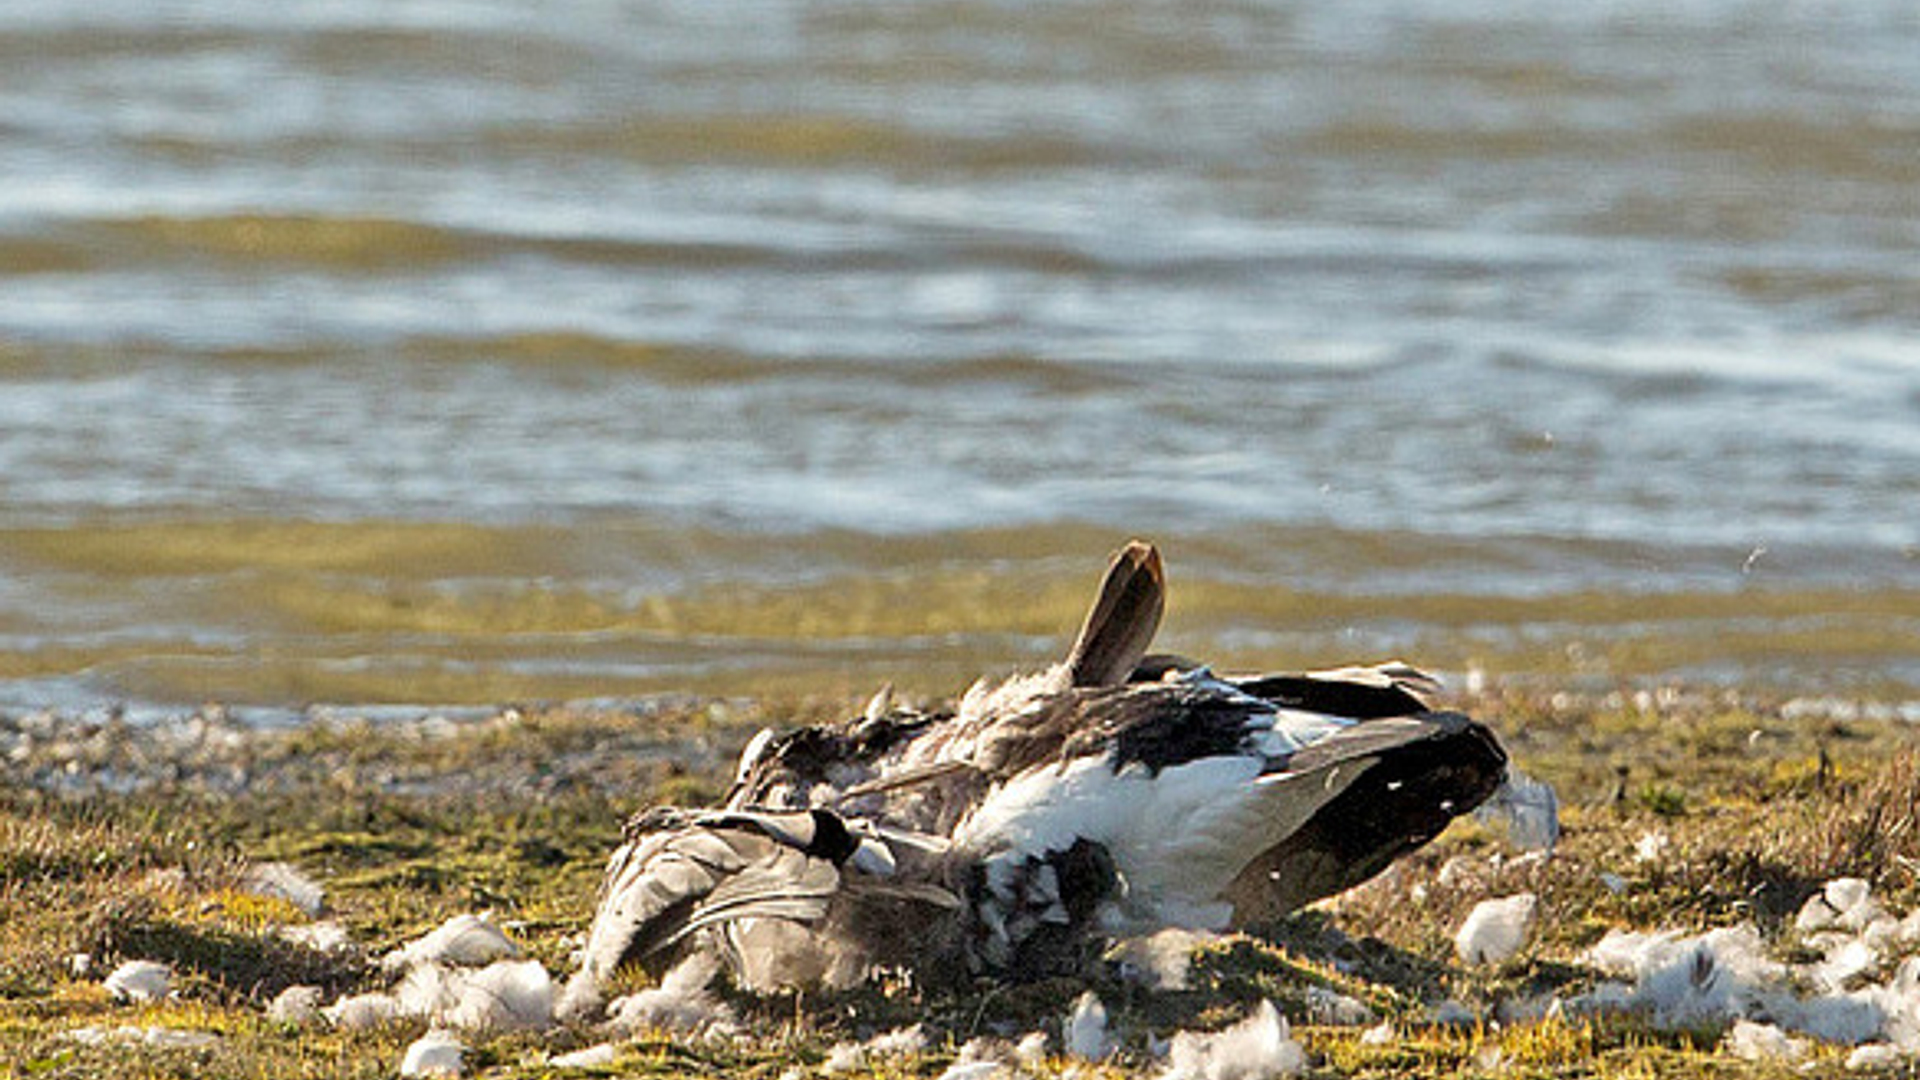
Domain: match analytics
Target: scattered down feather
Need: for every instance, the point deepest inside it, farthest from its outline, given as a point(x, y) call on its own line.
point(1084, 1034)
point(468, 940)
point(140, 980)
point(436, 1054)
point(1495, 929)
point(1257, 1048)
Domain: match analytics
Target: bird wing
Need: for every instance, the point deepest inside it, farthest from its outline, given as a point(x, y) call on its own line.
point(1358, 693)
point(662, 886)
point(1399, 781)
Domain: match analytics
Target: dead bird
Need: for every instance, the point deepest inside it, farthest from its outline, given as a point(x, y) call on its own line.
point(1114, 792)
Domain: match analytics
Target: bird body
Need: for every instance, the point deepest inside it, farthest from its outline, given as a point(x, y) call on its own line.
point(1114, 792)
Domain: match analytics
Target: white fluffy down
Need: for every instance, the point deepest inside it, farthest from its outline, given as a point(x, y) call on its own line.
point(160, 1037)
point(1495, 929)
point(295, 1005)
point(900, 1042)
point(680, 1003)
point(1084, 1034)
point(1527, 809)
point(140, 980)
point(506, 995)
point(285, 881)
point(1161, 960)
point(1253, 1049)
point(587, 1057)
point(437, 1053)
point(1726, 975)
point(362, 1011)
point(469, 940)
point(1763, 1042)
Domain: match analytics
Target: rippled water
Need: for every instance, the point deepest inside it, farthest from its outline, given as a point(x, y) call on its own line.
point(375, 350)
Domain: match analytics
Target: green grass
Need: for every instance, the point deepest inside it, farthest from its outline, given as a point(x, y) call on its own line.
point(409, 824)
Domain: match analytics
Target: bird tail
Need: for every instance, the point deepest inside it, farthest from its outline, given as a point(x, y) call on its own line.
point(1123, 620)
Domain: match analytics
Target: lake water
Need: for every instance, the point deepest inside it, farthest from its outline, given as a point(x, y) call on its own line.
point(478, 350)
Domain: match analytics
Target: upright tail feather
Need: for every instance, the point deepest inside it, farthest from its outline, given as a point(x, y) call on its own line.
point(1123, 620)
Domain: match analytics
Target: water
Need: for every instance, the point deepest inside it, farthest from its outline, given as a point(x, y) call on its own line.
point(435, 351)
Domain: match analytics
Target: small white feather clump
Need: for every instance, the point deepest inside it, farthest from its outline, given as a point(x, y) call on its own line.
point(1334, 1009)
point(1763, 1042)
point(1726, 976)
point(1495, 929)
point(164, 1038)
point(898, 1043)
point(1842, 904)
point(1684, 981)
point(437, 1053)
point(1651, 847)
point(587, 1057)
point(505, 995)
point(1253, 1049)
point(985, 1056)
point(140, 980)
point(1528, 810)
point(1874, 1057)
point(464, 974)
point(361, 1011)
point(285, 881)
point(1161, 960)
point(1084, 1035)
point(466, 940)
point(681, 1002)
point(295, 1005)
point(325, 936)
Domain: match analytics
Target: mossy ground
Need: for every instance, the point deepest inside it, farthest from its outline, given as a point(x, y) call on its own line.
point(126, 843)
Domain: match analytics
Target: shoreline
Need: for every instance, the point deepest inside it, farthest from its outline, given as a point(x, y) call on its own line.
point(613, 745)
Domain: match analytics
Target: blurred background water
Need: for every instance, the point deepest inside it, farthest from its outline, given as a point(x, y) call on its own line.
point(482, 350)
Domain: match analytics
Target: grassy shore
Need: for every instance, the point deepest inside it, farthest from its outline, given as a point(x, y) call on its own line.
point(1680, 810)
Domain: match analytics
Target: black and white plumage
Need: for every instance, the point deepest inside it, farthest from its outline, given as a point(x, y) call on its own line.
point(1115, 792)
